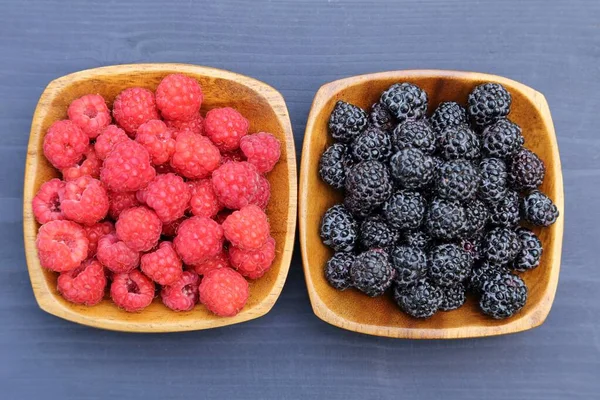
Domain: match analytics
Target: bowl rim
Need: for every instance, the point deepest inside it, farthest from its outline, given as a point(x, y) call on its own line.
point(536, 316)
point(42, 292)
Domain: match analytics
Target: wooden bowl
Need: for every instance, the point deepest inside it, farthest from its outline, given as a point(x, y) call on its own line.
point(380, 316)
point(265, 109)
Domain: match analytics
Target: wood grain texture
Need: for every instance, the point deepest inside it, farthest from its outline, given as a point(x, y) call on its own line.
point(297, 46)
point(380, 316)
point(262, 105)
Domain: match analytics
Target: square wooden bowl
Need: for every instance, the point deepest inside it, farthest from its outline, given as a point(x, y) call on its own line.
point(380, 316)
point(265, 109)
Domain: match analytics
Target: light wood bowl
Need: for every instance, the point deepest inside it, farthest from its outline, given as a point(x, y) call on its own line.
point(380, 316)
point(265, 109)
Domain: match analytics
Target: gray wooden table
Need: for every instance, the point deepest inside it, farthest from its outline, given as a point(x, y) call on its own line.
point(296, 46)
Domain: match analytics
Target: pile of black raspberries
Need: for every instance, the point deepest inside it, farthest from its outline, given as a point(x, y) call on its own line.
point(432, 205)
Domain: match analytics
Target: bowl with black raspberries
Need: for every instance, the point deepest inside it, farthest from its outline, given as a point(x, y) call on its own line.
point(431, 205)
point(159, 197)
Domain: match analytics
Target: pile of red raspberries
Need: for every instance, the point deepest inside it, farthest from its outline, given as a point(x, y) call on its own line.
point(155, 196)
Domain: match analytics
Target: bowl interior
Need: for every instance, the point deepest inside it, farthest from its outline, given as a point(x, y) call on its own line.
point(351, 309)
point(260, 104)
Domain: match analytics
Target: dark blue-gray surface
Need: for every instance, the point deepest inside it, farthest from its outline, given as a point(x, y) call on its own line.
point(296, 46)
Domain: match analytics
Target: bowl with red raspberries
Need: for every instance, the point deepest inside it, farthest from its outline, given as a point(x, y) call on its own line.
point(440, 205)
point(159, 198)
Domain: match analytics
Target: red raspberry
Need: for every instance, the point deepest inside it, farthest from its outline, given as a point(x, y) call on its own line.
point(170, 228)
point(198, 239)
point(253, 263)
point(139, 228)
point(225, 127)
point(65, 144)
point(162, 265)
point(230, 156)
point(90, 114)
point(204, 201)
point(263, 194)
point(108, 139)
point(224, 292)
point(219, 261)
point(94, 233)
point(157, 139)
point(178, 97)
point(235, 184)
point(127, 168)
point(62, 245)
point(132, 291)
point(195, 156)
point(46, 203)
point(115, 255)
point(133, 107)
point(84, 284)
point(168, 195)
point(181, 295)
point(88, 165)
point(119, 201)
point(193, 125)
point(247, 228)
point(84, 200)
point(261, 149)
